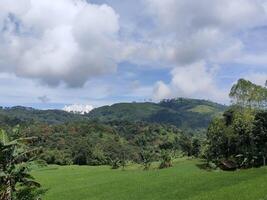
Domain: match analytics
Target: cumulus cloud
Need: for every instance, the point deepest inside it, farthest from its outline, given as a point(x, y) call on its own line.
point(66, 41)
point(161, 91)
point(197, 30)
point(78, 108)
point(194, 80)
point(197, 36)
point(206, 13)
point(188, 37)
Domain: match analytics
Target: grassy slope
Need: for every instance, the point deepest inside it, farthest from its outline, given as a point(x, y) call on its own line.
point(203, 109)
point(183, 181)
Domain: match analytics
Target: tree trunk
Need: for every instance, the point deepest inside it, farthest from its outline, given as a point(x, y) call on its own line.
point(264, 160)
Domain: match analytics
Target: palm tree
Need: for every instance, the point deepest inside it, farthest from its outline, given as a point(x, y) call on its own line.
point(15, 159)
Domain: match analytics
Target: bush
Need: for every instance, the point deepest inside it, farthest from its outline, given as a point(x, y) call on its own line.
point(166, 160)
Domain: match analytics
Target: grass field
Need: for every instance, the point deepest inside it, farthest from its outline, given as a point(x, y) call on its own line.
point(183, 181)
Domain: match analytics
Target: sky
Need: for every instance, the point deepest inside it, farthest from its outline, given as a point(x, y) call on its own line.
point(89, 53)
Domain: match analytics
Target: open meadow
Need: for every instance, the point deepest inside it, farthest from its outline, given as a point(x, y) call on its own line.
point(185, 180)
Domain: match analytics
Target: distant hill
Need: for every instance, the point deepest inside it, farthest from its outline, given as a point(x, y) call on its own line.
point(182, 113)
point(125, 112)
point(19, 114)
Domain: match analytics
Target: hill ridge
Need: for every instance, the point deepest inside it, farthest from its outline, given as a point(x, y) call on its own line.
point(184, 113)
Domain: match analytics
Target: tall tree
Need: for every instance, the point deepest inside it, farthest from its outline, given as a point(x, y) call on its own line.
point(241, 135)
point(260, 135)
point(247, 94)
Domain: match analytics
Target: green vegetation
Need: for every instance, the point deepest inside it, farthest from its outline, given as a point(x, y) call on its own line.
point(143, 144)
point(125, 111)
point(183, 181)
point(16, 181)
point(247, 94)
point(94, 143)
point(239, 139)
point(182, 113)
point(18, 114)
point(203, 109)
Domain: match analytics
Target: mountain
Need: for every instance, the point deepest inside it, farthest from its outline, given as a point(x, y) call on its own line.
point(125, 112)
point(182, 112)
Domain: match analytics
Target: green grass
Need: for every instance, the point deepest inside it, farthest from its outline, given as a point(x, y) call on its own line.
point(183, 181)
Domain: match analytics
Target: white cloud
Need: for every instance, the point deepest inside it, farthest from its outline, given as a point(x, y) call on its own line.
point(194, 15)
point(66, 41)
point(21, 91)
point(203, 30)
point(78, 108)
point(187, 37)
point(161, 91)
point(200, 35)
point(192, 79)
point(195, 80)
point(256, 60)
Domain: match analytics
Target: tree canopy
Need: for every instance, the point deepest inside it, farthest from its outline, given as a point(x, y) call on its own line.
point(240, 135)
point(248, 94)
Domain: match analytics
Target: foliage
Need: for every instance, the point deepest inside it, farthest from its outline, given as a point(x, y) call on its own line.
point(25, 115)
point(166, 159)
point(240, 137)
point(182, 113)
point(94, 143)
point(147, 156)
point(114, 135)
point(248, 94)
point(260, 135)
point(16, 181)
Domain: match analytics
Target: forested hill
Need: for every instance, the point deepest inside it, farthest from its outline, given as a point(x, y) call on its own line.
point(181, 112)
point(19, 114)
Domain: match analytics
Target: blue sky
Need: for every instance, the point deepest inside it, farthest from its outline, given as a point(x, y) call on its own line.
point(98, 52)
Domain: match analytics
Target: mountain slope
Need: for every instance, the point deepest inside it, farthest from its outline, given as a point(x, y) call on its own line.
point(125, 111)
point(183, 113)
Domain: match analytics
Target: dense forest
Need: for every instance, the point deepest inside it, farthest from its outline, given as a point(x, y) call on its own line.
point(95, 143)
point(147, 132)
point(181, 112)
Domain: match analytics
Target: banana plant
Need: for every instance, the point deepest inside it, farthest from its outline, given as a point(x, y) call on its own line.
point(16, 183)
